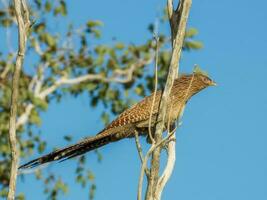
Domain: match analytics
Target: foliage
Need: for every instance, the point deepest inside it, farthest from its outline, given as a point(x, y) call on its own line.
point(69, 63)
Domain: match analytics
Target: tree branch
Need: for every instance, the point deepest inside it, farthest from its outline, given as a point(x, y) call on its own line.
point(8, 66)
point(178, 20)
point(119, 76)
point(155, 90)
point(140, 151)
point(169, 167)
point(22, 16)
point(170, 162)
point(145, 160)
point(23, 119)
point(35, 87)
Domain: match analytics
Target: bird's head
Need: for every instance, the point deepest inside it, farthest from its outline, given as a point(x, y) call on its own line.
point(202, 79)
point(190, 84)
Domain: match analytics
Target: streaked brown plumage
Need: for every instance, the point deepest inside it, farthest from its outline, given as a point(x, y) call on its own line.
point(133, 119)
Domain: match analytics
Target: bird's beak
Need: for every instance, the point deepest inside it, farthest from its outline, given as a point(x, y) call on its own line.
point(213, 83)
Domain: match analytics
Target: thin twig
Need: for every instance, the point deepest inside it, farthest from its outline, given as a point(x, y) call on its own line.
point(36, 46)
point(138, 146)
point(170, 8)
point(140, 151)
point(8, 65)
point(22, 19)
point(155, 90)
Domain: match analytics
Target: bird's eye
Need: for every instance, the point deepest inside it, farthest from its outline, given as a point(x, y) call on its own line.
point(206, 79)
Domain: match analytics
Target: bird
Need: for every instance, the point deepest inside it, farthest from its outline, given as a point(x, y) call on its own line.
point(137, 118)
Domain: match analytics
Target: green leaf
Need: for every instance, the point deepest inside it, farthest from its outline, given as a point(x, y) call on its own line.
point(140, 90)
point(35, 119)
point(41, 146)
point(2, 13)
point(61, 186)
point(151, 28)
point(6, 22)
point(61, 9)
point(119, 45)
point(40, 103)
point(50, 40)
point(90, 175)
point(91, 86)
point(3, 193)
point(105, 118)
point(191, 32)
point(96, 32)
point(47, 6)
point(68, 138)
point(20, 196)
point(99, 155)
point(39, 28)
point(189, 45)
point(92, 24)
point(92, 191)
point(38, 174)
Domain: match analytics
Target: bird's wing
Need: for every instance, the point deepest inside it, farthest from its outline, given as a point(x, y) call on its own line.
point(138, 112)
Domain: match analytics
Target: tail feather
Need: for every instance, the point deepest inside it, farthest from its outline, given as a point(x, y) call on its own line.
point(80, 148)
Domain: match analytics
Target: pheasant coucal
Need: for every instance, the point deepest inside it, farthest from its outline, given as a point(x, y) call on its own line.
point(134, 119)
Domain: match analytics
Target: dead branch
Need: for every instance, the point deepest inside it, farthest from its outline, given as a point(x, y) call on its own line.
point(140, 151)
point(152, 148)
point(178, 19)
point(22, 16)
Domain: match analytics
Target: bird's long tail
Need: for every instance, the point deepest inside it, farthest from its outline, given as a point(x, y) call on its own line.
point(77, 149)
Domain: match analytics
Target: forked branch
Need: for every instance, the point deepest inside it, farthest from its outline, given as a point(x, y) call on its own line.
point(178, 20)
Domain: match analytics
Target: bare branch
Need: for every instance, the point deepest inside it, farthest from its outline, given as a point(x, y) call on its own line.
point(119, 76)
point(178, 20)
point(40, 79)
point(8, 66)
point(37, 47)
point(138, 146)
point(170, 8)
point(126, 75)
point(23, 119)
point(35, 86)
point(144, 164)
point(26, 15)
point(169, 167)
point(155, 90)
point(23, 25)
point(140, 151)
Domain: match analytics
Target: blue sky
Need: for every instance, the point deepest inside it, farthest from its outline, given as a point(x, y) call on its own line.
point(221, 146)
